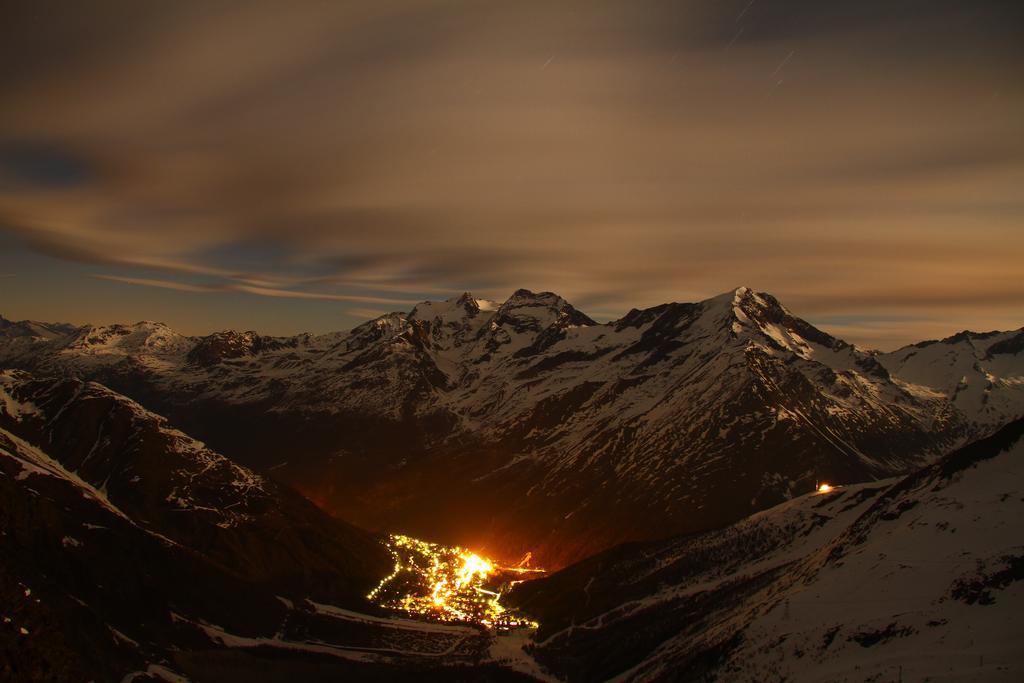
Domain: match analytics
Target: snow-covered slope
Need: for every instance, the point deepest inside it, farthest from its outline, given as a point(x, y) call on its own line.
point(911, 579)
point(34, 330)
point(980, 374)
point(674, 418)
point(131, 552)
point(164, 482)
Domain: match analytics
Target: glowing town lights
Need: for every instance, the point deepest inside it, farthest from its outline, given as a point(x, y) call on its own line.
point(448, 584)
point(824, 488)
point(472, 566)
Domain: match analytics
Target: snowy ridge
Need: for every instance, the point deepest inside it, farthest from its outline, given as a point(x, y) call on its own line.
point(33, 461)
point(980, 374)
point(95, 535)
point(195, 478)
point(692, 415)
point(11, 406)
point(918, 576)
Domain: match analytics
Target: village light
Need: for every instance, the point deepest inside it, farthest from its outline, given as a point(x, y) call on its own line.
point(447, 583)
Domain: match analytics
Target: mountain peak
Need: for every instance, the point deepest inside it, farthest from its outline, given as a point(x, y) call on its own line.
point(969, 335)
point(449, 310)
point(526, 294)
point(466, 299)
point(523, 299)
point(526, 297)
point(749, 312)
point(732, 296)
point(741, 302)
point(744, 303)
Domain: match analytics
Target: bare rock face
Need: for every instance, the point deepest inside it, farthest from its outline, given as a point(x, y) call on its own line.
point(159, 479)
point(525, 425)
point(221, 346)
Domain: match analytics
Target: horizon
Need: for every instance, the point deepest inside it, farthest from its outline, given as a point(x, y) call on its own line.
point(601, 320)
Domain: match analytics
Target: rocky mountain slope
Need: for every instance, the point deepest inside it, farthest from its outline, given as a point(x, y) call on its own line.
point(916, 578)
point(135, 464)
point(132, 552)
point(527, 426)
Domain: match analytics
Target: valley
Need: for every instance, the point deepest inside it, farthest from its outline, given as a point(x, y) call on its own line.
point(449, 584)
point(690, 415)
point(445, 341)
point(708, 486)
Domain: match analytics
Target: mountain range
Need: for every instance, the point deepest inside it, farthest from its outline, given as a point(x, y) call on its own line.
point(135, 553)
point(668, 461)
point(526, 426)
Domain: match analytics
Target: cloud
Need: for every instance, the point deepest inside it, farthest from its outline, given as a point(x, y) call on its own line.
point(162, 284)
point(848, 157)
point(291, 294)
point(248, 289)
point(40, 165)
point(366, 313)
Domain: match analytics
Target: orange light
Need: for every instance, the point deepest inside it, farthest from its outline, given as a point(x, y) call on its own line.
point(824, 488)
point(473, 566)
point(446, 583)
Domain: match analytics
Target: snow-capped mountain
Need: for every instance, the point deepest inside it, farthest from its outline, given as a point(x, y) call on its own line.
point(915, 578)
point(536, 428)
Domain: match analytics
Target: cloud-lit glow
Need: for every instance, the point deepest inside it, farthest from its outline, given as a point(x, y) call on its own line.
point(860, 160)
point(251, 289)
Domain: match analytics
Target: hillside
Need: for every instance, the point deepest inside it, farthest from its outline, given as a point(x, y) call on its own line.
point(546, 431)
point(917, 577)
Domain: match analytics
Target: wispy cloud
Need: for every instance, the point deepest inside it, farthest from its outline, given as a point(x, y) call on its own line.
point(293, 294)
point(367, 313)
point(380, 152)
point(248, 289)
point(161, 284)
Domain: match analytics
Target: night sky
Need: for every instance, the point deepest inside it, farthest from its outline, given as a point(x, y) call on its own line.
point(295, 167)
